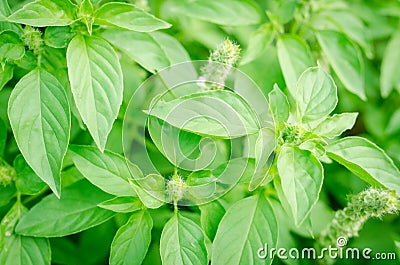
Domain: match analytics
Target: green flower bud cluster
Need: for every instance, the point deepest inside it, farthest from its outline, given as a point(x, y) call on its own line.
point(32, 38)
point(7, 174)
point(176, 188)
point(371, 203)
point(292, 134)
point(220, 64)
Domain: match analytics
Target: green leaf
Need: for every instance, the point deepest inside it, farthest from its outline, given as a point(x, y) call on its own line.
point(294, 58)
point(393, 125)
point(258, 42)
point(122, 204)
point(282, 10)
point(201, 185)
point(3, 137)
point(108, 171)
point(247, 225)
point(211, 215)
point(226, 114)
point(11, 47)
point(301, 176)
point(128, 16)
point(316, 95)
point(96, 83)
point(336, 125)
point(237, 169)
point(185, 150)
point(58, 37)
point(345, 59)
point(76, 211)
point(390, 77)
point(182, 243)
point(153, 51)
point(6, 194)
point(279, 105)
point(85, 13)
point(264, 148)
point(366, 160)
point(21, 250)
point(42, 13)
point(132, 240)
point(347, 23)
point(4, 8)
point(28, 61)
point(151, 190)
point(42, 132)
point(6, 74)
point(27, 181)
point(222, 12)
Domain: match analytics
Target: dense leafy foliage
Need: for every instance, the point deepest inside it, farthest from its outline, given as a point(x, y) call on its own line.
point(116, 148)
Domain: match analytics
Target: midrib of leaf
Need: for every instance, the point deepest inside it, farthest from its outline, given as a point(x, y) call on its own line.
point(181, 249)
point(41, 130)
point(179, 240)
point(19, 242)
point(88, 66)
point(23, 251)
point(248, 229)
point(161, 48)
point(135, 231)
point(102, 165)
point(293, 182)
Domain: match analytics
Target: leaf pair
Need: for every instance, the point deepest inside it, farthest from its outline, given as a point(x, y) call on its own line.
point(42, 13)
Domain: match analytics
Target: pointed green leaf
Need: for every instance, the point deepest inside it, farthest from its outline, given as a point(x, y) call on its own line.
point(316, 94)
point(336, 125)
point(42, 133)
point(6, 74)
point(58, 37)
point(264, 148)
point(258, 42)
point(182, 243)
point(96, 83)
point(393, 125)
point(223, 12)
point(27, 181)
point(345, 59)
point(3, 137)
point(128, 16)
point(211, 215)
point(108, 171)
point(279, 105)
point(390, 77)
point(345, 21)
point(301, 176)
point(76, 211)
point(294, 58)
point(366, 160)
point(151, 190)
point(11, 48)
point(132, 240)
point(153, 51)
point(247, 225)
point(42, 13)
point(122, 204)
point(226, 114)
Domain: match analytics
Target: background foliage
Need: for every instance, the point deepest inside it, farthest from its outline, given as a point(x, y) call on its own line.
point(68, 70)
